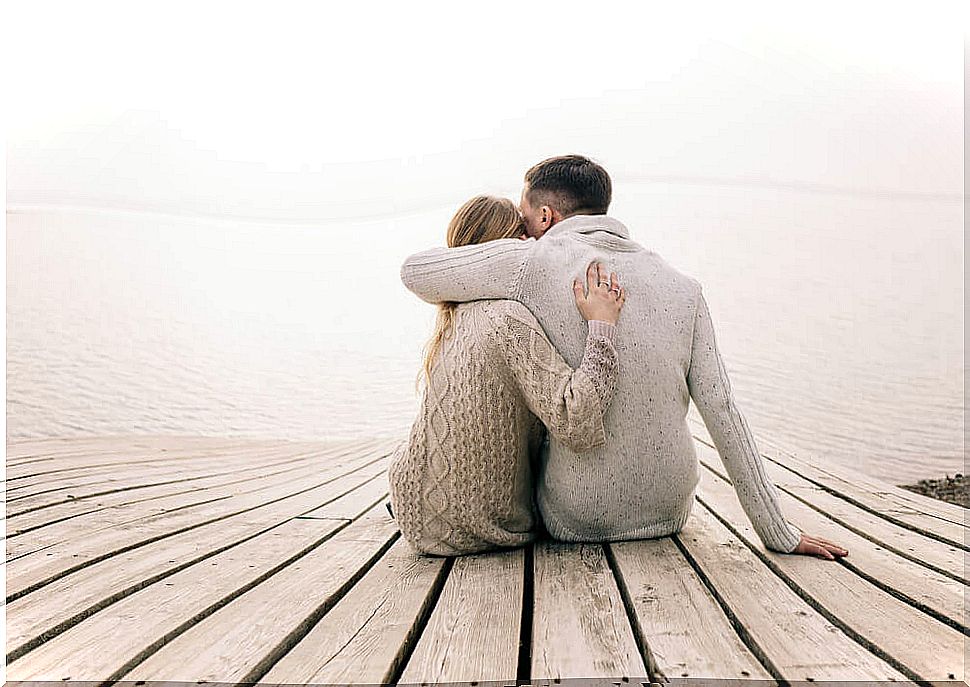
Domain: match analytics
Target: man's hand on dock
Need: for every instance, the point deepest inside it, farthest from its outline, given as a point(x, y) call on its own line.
point(816, 546)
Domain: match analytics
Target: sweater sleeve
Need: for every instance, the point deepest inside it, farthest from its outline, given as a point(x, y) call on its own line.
point(468, 273)
point(711, 391)
point(570, 403)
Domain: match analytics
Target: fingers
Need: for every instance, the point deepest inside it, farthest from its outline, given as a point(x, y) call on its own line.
point(602, 284)
point(821, 548)
point(826, 542)
point(596, 276)
point(578, 291)
point(823, 552)
point(592, 280)
point(601, 276)
point(615, 289)
point(829, 546)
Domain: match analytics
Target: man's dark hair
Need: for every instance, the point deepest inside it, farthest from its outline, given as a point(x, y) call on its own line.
point(572, 184)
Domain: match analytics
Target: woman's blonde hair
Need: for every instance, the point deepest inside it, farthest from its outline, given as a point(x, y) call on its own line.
point(481, 219)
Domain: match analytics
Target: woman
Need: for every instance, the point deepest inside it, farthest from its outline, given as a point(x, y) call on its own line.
point(463, 481)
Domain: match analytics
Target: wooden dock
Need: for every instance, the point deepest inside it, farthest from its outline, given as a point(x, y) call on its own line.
point(152, 559)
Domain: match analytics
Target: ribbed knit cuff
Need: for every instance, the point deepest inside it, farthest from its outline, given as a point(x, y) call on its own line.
point(601, 328)
point(797, 534)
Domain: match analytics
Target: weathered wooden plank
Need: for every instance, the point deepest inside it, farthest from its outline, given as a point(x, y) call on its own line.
point(43, 567)
point(119, 465)
point(127, 476)
point(361, 639)
point(63, 603)
point(374, 625)
point(83, 449)
point(863, 609)
point(98, 466)
point(66, 489)
point(101, 644)
point(930, 553)
point(894, 496)
point(868, 491)
point(132, 477)
point(286, 557)
point(165, 495)
point(786, 633)
point(46, 448)
point(116, 477)
point(681, 622)
point(923, 548)
point(882, 504)
point(185, 507)
point(473, 633)
point(580, 626)
point(252, 632)
point(118, 452)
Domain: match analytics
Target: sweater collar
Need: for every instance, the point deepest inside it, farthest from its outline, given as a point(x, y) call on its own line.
point(586, 224)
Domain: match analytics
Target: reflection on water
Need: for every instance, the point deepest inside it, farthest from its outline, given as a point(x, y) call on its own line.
point(840, 320)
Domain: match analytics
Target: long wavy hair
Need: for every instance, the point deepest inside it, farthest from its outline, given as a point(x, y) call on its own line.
point(481, 219)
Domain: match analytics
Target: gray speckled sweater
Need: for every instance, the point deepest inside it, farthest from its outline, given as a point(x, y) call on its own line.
point(641, 483)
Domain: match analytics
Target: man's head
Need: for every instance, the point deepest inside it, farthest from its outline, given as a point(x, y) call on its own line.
point(561, 187)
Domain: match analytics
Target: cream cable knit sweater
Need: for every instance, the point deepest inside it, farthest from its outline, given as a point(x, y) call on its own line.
point(641, 483)
point(463, 481)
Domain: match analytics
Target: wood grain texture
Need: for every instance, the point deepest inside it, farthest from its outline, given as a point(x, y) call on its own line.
point(120, 456)
point(135, 477)
point(124, 453)
point(872, 554)
point(50, 562)
point(874, 493)
point(103, 643)
point(689, 634)
point(362, 638)
point(51, 448)
point(473, 632)
point(256, 628)
point(38, 614)
point(790, 634)
point(130, 503)
point(580, 625)
point(302, 577)
point(866, 609)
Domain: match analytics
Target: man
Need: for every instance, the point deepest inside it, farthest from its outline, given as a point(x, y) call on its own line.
point(641, 483)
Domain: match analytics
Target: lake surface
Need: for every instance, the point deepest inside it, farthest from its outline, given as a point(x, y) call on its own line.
point(840, 319)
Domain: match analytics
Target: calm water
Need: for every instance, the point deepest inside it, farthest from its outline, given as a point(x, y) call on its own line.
point(840, 319)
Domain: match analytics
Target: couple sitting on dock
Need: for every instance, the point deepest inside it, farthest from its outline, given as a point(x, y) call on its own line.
point(529, 338)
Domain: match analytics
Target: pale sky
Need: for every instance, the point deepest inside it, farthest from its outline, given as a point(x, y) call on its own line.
point(202, 94)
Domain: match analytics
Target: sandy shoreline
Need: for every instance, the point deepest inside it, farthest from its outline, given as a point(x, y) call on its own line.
point(954, 489)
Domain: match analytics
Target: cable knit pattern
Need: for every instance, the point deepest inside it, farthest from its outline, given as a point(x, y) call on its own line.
point(599, 361)
point(641, 482)
point(463, 482)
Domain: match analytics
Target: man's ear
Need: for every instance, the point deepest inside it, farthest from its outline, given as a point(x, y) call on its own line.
point(548, 217)
point(554, 217)
point(544, 219)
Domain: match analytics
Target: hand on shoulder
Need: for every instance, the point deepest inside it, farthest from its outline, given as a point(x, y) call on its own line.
point(603, 298)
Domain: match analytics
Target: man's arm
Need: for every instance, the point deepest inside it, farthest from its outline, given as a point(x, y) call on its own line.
point(709, 387)
point(486, 270)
